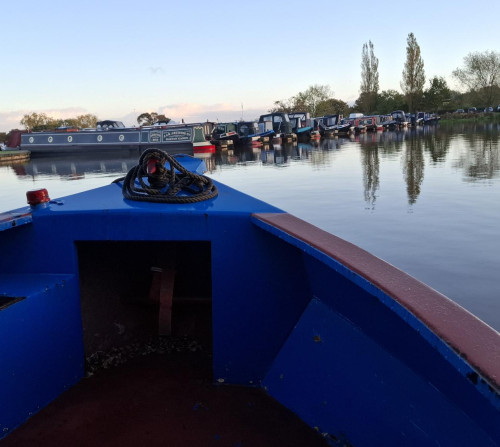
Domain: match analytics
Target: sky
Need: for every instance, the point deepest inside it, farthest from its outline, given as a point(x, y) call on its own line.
point(218, 60)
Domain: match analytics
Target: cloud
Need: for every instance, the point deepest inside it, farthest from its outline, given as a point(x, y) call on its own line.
point(192, 112)
point(11, 120)
point(196, 113)
point(155, 70)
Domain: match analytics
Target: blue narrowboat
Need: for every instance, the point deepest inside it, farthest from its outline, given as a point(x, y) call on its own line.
point(250, 133)
point(303, 126)
point(267, 330)
point(280, 123)
point(345, 127)
point(110, 135)
point(328, 125)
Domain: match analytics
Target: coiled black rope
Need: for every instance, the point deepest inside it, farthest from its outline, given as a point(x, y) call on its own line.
point(166, 185)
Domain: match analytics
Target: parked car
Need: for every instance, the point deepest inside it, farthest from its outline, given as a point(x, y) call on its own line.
point(489, 109)
point(462, 110)
point(471, 110)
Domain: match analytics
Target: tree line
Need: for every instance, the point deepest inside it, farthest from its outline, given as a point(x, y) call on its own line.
point(480, 75)
point(40, 121)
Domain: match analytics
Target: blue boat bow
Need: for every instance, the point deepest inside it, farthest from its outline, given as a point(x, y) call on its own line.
point(359, 350)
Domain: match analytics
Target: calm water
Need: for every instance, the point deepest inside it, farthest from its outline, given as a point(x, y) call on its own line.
point(425, 200)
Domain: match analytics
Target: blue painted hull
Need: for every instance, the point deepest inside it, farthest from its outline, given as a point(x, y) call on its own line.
point(304, 132)
point(358, 349)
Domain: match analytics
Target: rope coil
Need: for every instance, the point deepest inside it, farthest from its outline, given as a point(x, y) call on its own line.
point(165, 185)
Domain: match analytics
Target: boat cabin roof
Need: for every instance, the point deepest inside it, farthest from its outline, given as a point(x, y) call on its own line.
point(274, 117)
point(300, 115)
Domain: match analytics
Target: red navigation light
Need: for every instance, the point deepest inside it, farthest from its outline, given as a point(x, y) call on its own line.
point(37, 196)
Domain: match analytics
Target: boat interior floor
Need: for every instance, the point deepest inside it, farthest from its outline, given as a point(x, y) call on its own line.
point(163, 399)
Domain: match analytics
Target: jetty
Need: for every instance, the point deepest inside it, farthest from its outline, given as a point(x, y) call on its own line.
point(14, 156)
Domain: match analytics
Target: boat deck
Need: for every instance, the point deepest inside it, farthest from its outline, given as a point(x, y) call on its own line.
point(163, 399)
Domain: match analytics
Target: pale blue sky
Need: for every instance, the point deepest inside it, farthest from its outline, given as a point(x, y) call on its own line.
point(201, 60)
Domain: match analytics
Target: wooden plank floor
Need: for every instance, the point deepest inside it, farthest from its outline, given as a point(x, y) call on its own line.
point(163, 400)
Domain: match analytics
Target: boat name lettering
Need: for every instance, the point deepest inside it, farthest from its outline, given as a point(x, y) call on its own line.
point(177, 135)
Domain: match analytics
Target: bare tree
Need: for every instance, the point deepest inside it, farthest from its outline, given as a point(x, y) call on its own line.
point(481, 74)
point(413, 73)
point(369, 78)
point(309, 100)
point(306, 101)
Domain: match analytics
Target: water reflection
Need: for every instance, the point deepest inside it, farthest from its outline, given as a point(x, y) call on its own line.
point(75, 168)
point(413, 166)
point(475, 153)
point(481, 159)
point(371, 172)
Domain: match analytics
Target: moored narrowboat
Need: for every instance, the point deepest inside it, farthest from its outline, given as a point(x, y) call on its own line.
point(328, 125)
point(250, 133)
point(112, 135)
point(224, 134)
point(303, 126)
point(280, 123)
point(345, 127)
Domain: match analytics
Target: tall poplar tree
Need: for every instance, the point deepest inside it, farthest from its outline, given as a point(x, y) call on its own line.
point(369, 79)
point(413, 74)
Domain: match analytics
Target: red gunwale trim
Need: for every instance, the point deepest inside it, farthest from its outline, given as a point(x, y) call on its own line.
point(473, 339)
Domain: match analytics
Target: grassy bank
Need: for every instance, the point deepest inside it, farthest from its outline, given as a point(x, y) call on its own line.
point(450, 118)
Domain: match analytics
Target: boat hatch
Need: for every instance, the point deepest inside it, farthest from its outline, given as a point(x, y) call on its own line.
point(134, 291)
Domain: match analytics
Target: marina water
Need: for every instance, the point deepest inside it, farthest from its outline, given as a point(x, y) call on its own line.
point(426, 200)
